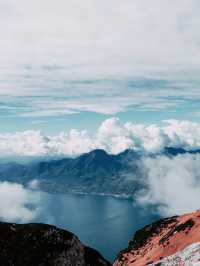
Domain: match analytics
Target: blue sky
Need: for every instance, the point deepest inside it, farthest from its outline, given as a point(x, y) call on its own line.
point(70, 65)
point(84, 104)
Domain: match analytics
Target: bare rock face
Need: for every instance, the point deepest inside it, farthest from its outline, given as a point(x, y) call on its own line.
point(172, 241)
point(44, 245)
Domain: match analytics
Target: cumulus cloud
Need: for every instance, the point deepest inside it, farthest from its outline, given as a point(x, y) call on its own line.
point(172, 184)
point(18, 204)
point(112, 136)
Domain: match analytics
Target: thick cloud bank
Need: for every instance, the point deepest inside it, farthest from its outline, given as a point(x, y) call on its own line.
point(18, 203)
point(112, 135)
point(173, 184)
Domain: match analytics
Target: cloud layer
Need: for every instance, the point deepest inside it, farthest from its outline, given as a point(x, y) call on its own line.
point(112, 136)
point(100, 34)
point(49, 93)
point(173, 184)
point(60, 58)
point(18, 204)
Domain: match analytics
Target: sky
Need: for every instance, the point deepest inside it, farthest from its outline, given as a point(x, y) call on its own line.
point(72, 64)
point(79, 75)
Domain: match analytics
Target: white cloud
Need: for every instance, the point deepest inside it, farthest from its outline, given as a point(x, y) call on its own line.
point(112, 135)
point(47, 46)
point(18, 204)
point(183, 133)
point(62, 96)
point(106, 33)
point(34, 184)
point(173, 184)
point(30, 143)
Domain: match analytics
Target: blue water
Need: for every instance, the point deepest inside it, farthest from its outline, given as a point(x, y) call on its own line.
point(104, 223)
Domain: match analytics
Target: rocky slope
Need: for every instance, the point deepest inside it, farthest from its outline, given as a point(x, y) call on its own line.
point(44, 245)
point(173, 241)
point(189, 256)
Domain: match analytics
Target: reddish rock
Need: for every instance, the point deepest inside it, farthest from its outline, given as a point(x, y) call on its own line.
point(160, 240)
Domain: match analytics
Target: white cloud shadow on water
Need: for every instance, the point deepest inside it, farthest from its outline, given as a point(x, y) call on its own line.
point(172, 184)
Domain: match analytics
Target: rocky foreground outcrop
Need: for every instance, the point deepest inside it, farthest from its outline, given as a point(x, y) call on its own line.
point(173, 241)
point(44, 245)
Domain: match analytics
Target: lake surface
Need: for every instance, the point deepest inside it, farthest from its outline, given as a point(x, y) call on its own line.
point(104, 223)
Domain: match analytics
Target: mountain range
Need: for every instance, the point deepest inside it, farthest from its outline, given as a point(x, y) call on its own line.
point(95, 172)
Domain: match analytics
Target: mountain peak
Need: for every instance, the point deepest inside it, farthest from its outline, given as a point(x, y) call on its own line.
point(98, 152)
point(98, 156)
point(98, 160)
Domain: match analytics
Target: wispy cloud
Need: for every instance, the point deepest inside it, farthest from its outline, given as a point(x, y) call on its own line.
point(109, 96)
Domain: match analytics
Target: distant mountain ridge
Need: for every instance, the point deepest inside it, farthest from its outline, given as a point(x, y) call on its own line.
point(94, 172)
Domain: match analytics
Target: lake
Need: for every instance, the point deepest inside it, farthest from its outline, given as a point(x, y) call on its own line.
point(102, 222)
